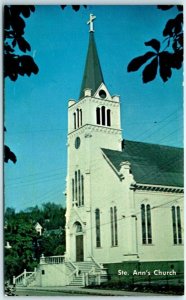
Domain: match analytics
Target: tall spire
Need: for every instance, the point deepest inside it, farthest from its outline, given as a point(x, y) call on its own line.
point(93, 76)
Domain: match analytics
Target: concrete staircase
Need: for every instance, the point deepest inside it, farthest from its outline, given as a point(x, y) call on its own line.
point(25, 278)
point(86, 271)
point(77, 273)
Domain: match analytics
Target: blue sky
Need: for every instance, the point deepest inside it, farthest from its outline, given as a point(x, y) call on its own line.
point(36, 106)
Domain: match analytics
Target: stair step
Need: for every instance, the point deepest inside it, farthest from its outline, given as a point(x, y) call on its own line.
point(85, 267)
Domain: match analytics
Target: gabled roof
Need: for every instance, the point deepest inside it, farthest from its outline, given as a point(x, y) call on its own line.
point(150, 163)
point(93, 76)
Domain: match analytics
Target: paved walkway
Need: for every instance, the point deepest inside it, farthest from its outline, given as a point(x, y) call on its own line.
point(78, 290)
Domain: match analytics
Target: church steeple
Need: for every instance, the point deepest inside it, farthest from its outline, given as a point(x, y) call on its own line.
point(93, 76)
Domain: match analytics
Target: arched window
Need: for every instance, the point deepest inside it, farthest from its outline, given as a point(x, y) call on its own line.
point(78, 227)
point(82, 189)
point(98, 115)
point(73, 192)
point(81, 120)
point(179, 225)
point(176, 225)
point(146, 224)
point(78, 189)
point(114, 226)
point(74, 120)
point(143, 224)
point(108, 118)
point(77, 118)
point(98, 232)
point(149, 230)
point(103, 115)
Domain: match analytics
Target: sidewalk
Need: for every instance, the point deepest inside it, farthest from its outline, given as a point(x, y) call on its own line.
point(78, 290)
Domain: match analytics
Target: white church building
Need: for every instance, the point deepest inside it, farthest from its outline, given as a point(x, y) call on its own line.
point(124, 199)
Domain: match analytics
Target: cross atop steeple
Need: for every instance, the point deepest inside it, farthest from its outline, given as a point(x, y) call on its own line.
point(92, 18)
point(93, 76)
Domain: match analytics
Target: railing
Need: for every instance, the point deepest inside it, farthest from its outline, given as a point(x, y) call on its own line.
point(24, 278)
point(59, 259)
point(73, 265)
point(74, 272)
point(96, 263)
point(31, 278)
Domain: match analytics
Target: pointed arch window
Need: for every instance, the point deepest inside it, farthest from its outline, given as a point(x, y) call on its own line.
point(108, 118)
point(103, 115)
point(77, 118)
point(146, 225)
point(149, 229)
point(78, 227)
point(98, 231)
point(82, 189)
point(176, 225)
point(74, 114)
point(81, 121)
point(78, 189)
point(73, 191)
point(114, 226)
point(98, 116)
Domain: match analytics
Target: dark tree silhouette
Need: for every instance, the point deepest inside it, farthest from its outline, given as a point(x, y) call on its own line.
point(74, 7)
point(166, 59)
point(14, 42)
point(9, 155)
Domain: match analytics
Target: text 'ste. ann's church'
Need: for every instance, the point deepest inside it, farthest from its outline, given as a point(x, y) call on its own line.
point(124, 198)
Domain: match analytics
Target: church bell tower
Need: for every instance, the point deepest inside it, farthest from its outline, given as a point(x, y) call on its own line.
point(93, 124)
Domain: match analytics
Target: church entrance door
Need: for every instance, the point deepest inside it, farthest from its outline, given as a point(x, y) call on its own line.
point(79, 248)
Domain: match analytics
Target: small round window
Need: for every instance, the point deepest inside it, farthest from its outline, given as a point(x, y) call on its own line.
point(102, 94)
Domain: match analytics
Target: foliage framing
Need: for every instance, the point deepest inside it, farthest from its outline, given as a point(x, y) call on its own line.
point(16, 64)
point(171, 57)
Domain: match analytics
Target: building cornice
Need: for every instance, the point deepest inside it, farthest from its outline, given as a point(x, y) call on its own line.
point(95, 100)
point(96, 128)
point(156, 188)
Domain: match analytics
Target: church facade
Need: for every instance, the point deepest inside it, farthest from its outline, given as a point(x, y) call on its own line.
point(124, 198)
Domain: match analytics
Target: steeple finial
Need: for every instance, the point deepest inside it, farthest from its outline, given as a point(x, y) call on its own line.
point(92, 18)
